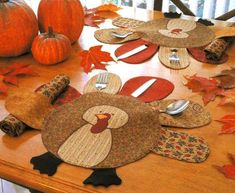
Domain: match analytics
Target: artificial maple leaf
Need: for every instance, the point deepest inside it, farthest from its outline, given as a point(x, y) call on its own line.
point(228, 122)
point(15, 70)
point(93, 20)
point(229, 98)
point(228, 170)
point(3, 87)
point(226, 78)
point(108, 7)
point(94, 56)
point(209, 87)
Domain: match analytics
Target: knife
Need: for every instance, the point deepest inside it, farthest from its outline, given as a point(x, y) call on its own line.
point(143, 88)
point(132, 52)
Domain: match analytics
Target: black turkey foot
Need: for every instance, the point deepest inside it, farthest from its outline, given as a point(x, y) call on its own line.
point(103, 177)
point(46, 163)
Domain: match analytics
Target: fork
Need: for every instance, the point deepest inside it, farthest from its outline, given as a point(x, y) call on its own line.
point(174, 58)
point(102, 80)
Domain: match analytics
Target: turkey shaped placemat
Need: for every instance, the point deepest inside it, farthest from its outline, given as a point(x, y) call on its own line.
point(174, 58)
point(104, 131)
point(114, 84)
point(177, 33)
point(160, 89)
point(140, 56)
point(194, 116)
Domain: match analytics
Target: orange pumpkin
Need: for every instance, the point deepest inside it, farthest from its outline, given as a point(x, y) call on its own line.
point(51, 48)
point(65, 16)
point(18, 27)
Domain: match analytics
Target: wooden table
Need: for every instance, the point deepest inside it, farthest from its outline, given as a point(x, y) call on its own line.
point(152, 174)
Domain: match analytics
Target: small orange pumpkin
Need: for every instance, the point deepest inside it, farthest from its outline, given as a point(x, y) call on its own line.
point(18, 27)
point(51, 48)
point(65, 16)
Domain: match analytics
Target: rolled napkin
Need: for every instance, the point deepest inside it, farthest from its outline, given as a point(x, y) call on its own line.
point(215, 49)
point(14, 127)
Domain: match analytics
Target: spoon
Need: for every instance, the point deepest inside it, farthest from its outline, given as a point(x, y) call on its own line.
point(176, 107)
point(117, 35)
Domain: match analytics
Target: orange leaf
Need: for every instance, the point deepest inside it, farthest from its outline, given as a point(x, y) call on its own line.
point(3, 87)
point(93, 20)
point(94, 56)
point(228, 170)
point(208, 87)
point(228, 122)
point(108, 7)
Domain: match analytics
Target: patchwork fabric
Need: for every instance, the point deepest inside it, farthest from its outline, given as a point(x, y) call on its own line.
point(126, 22)
point(31, 109)
point(194, 116)
point(181, 146)
point(100, 130)
point(15, 127)
point(129, 130)
point(215, 49)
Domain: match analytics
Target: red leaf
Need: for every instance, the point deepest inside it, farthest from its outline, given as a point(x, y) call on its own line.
point(228, 170)
point(93, 20)
point(94, 56)
point(24, 71)
point(228, 122)
point(12, 79)
point(3, 87)
point(208, 87)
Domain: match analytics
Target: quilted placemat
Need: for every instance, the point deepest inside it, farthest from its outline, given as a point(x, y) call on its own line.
point(126, 22)
point(139, 57)
point(113, 86)
point(104, 131)
point(168, 57)
point(14, 127)
point(177, 33)
point(31, 108)
point(105, 35)
point(159, 90)
point(194, 116)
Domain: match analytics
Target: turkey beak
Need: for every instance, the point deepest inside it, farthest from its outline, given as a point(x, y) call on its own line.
point(101, 116)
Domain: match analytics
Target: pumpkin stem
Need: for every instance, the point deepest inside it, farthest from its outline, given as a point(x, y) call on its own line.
point(50, 32)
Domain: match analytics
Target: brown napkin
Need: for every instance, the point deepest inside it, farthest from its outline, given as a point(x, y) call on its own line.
point(215, 50)
point(14, 127)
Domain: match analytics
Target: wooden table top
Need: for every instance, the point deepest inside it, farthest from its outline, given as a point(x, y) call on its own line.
point(151, 174)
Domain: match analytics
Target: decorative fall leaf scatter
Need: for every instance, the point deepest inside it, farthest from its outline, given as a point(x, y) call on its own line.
point(228, 170)
point(209, 87)
point(93, 20)
point(11, 73)
point(95, 16)
point(94, 56)
point(228, 122)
